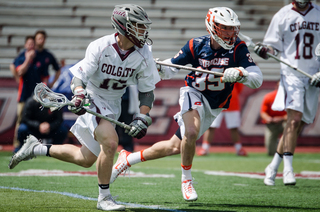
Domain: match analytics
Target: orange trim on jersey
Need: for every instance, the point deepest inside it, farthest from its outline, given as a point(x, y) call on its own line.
point(191, 47)
point(186, 167)
point(235, 48)
point(223, 103)
point(141, 154)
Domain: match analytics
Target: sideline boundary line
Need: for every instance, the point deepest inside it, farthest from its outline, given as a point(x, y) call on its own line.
point(78, 196)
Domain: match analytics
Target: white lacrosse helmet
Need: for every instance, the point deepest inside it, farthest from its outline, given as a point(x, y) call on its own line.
point(132, 21)
point(223, 25)
point(301, 3)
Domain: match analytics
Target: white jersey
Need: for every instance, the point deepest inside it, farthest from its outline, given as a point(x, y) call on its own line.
point(296, 36)
point(107, 73)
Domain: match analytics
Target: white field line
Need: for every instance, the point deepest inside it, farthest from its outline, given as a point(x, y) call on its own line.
point(131, 205)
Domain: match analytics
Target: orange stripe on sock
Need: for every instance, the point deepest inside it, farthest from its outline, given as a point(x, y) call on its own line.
point(186, 167)
point(141, 154)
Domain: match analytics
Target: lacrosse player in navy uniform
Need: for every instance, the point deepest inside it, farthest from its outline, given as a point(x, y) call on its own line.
point(112, 63)
point(204, 96)
point(294, 32)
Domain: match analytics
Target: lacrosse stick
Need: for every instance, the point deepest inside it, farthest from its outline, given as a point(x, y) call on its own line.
point(54, 101)
point(191, 69)
point(249, 43)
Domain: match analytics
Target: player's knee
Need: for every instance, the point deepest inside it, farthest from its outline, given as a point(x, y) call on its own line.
point(191, 133)
point(86, 164)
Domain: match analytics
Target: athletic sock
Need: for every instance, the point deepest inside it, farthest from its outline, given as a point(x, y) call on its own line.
point(238, 146)
point(186, 173)
point(136, 157)
point(277, 159)
point(41, 150)
point(103, 191)
point(205, 145)
point(287, 161)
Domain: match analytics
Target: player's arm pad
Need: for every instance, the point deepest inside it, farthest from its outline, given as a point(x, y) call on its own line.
point(75, 82)
point(146, 98)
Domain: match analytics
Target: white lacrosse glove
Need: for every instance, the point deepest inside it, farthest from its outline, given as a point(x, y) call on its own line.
point(139, 125)
point(315, 81)
point(79, 100)
point(234, 74)
point(159, 68)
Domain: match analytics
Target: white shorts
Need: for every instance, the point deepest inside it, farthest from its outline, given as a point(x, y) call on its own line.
point(232, 119)
point(297, 94)
point(190, 98)
point(85, 125)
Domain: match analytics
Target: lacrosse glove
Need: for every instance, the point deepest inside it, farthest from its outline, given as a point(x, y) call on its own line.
point(315, 81)
point(261, 50)
point(78, 99)
point(234, 74)
point(139, 126)
point(158, 66)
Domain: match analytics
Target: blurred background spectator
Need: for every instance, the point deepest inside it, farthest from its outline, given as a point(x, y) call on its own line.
point(275, 122)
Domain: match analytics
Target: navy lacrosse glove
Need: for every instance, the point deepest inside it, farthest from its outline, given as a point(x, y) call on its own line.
point(139, 126)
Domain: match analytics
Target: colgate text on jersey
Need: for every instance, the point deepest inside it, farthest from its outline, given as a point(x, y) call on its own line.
point(305, 25)
point(119, 72)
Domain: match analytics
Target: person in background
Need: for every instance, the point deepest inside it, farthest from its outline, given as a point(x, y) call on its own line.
point(41, 122)
point(27, 76)
point(275, 122)
point(294, 33)
point(45, 58)
point(233, 120)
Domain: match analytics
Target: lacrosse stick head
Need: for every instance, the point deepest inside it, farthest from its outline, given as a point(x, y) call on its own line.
point(50, 99)
point(317, 52)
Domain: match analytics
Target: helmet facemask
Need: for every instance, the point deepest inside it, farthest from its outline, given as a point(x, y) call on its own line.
point(301, 3)
point(138, 33)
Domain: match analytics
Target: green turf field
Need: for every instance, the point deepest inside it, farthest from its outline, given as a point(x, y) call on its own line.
point(215, 193)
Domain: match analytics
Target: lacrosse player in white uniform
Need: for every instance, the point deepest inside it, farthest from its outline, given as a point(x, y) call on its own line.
point(204, 96)
point(111, 63)
point(294, 32)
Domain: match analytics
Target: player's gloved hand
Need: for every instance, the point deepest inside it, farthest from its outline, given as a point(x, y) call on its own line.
point(261, 50)
point(78, 99)
point(159, 68)
point(315, 81)
point(234, 74)
point(139, 126)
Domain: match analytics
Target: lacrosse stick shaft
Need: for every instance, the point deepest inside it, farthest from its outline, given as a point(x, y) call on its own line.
point(249, 43)
point(120, 124)
point(191, 69)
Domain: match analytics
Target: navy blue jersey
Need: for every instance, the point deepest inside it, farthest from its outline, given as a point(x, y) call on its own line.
point(36, 73)
point(199, 54)
point(29, 80)
point(44, 60)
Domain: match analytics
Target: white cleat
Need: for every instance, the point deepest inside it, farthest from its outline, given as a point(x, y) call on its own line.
point(26, 151)
point(120, 166)
point(108, 204)
point(188, 191)
point(270, 176)
point(288, 178)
